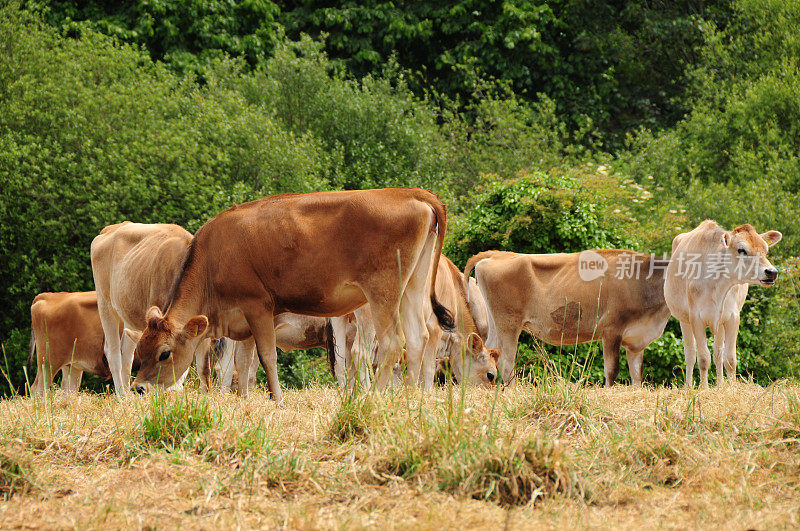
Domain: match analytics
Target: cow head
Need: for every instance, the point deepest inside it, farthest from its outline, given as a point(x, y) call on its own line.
point(166, 349)
point(749, 254)
point(480, 364)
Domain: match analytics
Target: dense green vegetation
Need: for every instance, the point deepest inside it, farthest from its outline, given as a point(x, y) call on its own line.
point(545, 126)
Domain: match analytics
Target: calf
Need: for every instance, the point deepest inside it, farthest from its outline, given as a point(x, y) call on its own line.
point(66, 336)
point(565, 299)
point(706, 286)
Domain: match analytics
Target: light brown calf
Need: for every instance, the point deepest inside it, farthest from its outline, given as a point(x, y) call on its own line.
point(322, 254)
point(66, 336)
point(565, 299)
point(135, 266)
point(706, 286)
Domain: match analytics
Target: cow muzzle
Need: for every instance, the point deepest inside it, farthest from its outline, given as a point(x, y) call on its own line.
point(770, 275)
point(138, 388)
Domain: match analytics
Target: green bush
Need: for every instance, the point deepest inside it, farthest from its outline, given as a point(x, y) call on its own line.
point(374, 132)
point(535, 213)
point(94, 133)
point(186, 35)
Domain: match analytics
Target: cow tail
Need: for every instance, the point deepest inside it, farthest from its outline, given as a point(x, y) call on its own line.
point(469, 267)
point(443, 315)
point(330, 346)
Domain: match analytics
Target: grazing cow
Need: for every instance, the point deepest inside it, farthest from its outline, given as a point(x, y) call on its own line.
point(66, 336)
point(616, 296)
point(322, 254)
point(292, 332)
point(135, 266)
point(462, 348)
point(706, 286)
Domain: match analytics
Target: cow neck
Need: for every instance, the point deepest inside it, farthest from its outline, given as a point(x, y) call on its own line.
point(189, 297)
point(721, 290)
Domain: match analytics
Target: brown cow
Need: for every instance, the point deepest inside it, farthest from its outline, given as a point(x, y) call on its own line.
point(66, 336)
point(565, 299)
point(323, 254)
point(463, 348)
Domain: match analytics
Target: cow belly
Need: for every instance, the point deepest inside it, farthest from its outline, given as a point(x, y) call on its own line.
point(342, 300)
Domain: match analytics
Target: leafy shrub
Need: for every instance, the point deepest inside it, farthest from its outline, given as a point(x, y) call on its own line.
point(93, 133)
point(534, 213)
point(374, 131)
point(186, 35)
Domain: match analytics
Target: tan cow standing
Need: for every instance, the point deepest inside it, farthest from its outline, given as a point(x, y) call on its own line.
point(135, 266)
point(66, 336)
point(323, 254)
point(706, 286)
point(566, 299)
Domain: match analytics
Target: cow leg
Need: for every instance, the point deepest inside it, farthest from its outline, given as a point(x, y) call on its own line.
point(113, 348)
point(341, 355)
point(703, 354)
point(729, 356)
point(635, 362)
point(44, 371)
point(263, 329)
point(360, 365)
point(225, 364)
point(204, 362)
point(435, 334)
point(505, 339)
point(719, 352)
point(388, 346)
point(689, 352)
point(415, 329)
point(71, 377)
point(611, 349)
point(127, 346)
point(244, 358)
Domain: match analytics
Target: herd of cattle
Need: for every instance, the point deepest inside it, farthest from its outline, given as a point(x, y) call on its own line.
point(361, 273)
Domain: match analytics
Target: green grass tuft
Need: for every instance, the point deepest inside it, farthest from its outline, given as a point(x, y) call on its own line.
point(174, 420)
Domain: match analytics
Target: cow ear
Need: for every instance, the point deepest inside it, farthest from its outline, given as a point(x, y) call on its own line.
point(772, 237)
point(726, 239)
point(475, 343)
point(133, 335)
point(196, 326)
point(153, 314)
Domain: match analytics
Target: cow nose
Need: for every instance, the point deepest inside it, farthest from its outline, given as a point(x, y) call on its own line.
point(771, 273)
point(137, 389)
point(490, 375)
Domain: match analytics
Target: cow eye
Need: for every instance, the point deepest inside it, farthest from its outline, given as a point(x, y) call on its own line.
point(742, 251)
point(164, 356)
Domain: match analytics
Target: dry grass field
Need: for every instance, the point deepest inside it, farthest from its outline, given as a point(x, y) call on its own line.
point(553, 455)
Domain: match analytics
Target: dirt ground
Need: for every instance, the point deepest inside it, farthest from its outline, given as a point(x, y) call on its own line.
point(552, 455)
